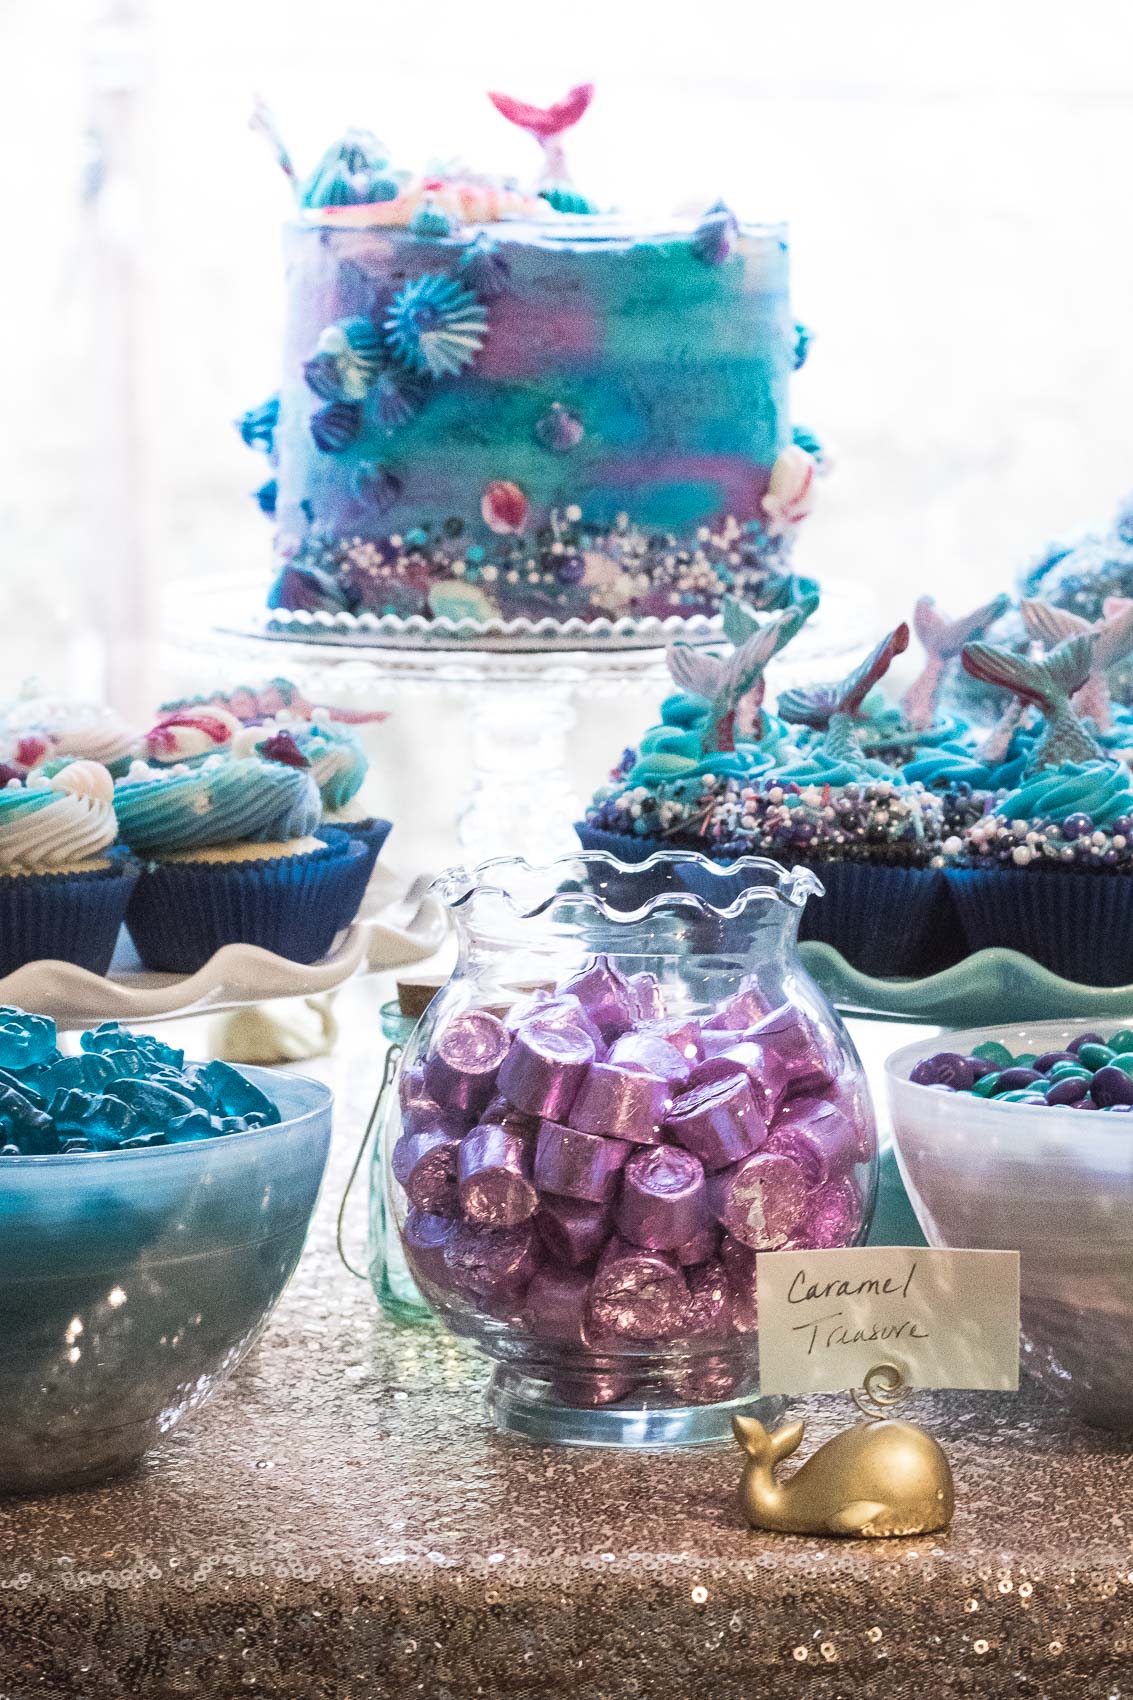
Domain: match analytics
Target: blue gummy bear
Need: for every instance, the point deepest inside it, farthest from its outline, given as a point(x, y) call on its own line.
point(9, 1151)
point(232, 1094)
point(70, 1146)
point(156, 1104)
point(24, 1125)
point(196, 1125)
point(25, 1040)
point(141, 1140)
point(84, 1074)
point(104, 1120)
point(24, 1087)
point(109, 1036)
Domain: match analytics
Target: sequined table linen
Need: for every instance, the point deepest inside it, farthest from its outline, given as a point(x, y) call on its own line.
point(342, 1523)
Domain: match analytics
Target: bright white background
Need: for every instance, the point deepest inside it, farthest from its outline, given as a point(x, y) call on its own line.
point(956, 177)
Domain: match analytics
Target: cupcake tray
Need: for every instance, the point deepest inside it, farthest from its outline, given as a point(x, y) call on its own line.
point(988, 987)
point(395, 929)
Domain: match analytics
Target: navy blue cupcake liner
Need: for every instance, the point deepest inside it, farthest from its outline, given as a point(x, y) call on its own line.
point(372, 832)
point(884, 921)
point(182, 913)
point(66, 917)
point(1079, 925)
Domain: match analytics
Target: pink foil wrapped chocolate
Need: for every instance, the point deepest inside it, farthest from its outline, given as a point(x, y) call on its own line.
point(699, 1248)
point(492, 1264)
point(606, 996)
point(833, 1217)
point(648, 1053)
point(766, 1072)
point(592, 1389)
point(578, 1165)
point(739, 1265)
point(648, 999)
point(544, 1069)
point(739, 1012)
point(664, 1201)
point(622, 1103)
point(719, 1122)
point(549, 1009)
point(460, 1073)
point(680, 1031)
point(556, 1305)
point(572, 1231)
point(419, 1110)
point(424, 1165)
point(796, 1039)
point(706, 1381)
point(714, 1041)
point(709, 1301)
point(501, 1113)
point(637, 1294)
point(494, 1178)
point(759, 1201)
point(818, 1136)
point(425, 1237)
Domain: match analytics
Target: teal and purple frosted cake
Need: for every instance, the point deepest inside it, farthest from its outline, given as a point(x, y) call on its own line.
point(501, 406)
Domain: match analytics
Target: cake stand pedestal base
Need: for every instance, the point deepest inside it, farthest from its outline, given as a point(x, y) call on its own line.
point(520, 793)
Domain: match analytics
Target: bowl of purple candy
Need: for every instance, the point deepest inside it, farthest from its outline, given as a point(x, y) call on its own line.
point(1021, 1138)
point(151, 1212)
point(629, 1088)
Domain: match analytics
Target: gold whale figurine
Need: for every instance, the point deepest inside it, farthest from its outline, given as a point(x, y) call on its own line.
point(881, 1478)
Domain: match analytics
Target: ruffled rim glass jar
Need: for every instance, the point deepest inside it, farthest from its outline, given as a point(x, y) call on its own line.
point(628, 1087)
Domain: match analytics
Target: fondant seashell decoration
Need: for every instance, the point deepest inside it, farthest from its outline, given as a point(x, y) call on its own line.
point(321, 374)
point(336, 426)
point(484, 269)
point(392, 403)
point(559, 429)
point(504, 506)
point(377, 486)
point(435, 326)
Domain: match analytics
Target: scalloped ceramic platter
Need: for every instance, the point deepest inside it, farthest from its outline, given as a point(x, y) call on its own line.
point(993, 986)
point(395, 931)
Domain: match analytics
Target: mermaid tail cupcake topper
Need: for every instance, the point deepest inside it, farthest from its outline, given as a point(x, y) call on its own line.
point(1048, 683)
point(734, 685)
point(548, 124)
point(942, 639)
point(1114, 641)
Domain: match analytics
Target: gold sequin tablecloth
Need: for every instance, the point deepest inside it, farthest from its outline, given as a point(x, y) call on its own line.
point(341, 1523)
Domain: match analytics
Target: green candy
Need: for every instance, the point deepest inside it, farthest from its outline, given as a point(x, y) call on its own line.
point(998, 1055)
point(1069, 1071)
point(1124, 1061)
point(1095, 1056)
point(1122, 1043)
point(1022, 1095)
point(985, 1085)
point(1025, 1059)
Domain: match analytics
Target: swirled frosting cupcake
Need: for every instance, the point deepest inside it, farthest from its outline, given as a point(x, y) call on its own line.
point(234, 856)
point(187, 736)
point(34, 728)
point(63, 888)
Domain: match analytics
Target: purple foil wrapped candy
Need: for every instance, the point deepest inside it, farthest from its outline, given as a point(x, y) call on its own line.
point(680, 1031)
point(664, 1201)
point(494, 1179)
point(719, 1123)
point(501, 1113)
point(739, 1262)
point(796, 1039)
point(637, 1295)
point(578, 1165)
point(419, 1110)
point(740, 1012)
point(706, 1381)
point(545, 1068)
point(491, 1264)
point(817, 1136)
point(647, 1053)
point(556, 1305)
point(710, 1301)
point(424, 1165)
point(649, 1001)
point(424, 1238)
point(554, 1010)
point(606, 996)
point(587, 1389)
point(461, 1071)
point(572, 1231)
point(760, 1200)
point(622, 1103)
point(833, 1217)
point(699, 1248)
point(716, 1040)
point(767, 1072)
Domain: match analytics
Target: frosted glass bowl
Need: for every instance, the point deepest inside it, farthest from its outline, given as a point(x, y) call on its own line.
point(1053, 1184)
point(133, 1282)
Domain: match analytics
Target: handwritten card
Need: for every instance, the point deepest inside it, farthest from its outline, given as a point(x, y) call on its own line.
point(944, 1318)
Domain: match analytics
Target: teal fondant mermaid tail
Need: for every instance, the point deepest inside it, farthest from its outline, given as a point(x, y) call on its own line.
point(1049, 683)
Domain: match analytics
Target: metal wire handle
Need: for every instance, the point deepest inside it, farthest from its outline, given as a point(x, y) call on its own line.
point(393, 1057)
point(884, 1387)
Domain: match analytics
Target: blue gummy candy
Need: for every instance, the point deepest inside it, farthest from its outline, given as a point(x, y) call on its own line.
point(70, 1146)
point(232, 1094)
point(198, 1124)
point(25, 1040)
point(23, 1087)
point(105, 1121)
point(9, 1151)
point(83, 1074)
point(156, 1104)
point(109, 1036)
point(141, 1140)
point(24, 1125)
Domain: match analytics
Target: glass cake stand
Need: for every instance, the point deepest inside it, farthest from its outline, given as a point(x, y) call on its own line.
point(518, 684)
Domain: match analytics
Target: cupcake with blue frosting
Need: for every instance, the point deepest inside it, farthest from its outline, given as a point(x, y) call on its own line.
point(64, 885)
point(338, 765)
point(1044, 865)
point(233, 854)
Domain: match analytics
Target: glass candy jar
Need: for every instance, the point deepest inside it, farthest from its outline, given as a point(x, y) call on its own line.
point(628, 1088)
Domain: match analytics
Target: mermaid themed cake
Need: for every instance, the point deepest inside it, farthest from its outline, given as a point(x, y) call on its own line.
point(502, 407)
